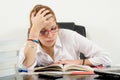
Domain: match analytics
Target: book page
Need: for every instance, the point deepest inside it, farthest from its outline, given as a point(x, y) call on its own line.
point(74, 67)
point(53, 67)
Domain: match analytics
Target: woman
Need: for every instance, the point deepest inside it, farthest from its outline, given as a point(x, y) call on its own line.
point(48, 44)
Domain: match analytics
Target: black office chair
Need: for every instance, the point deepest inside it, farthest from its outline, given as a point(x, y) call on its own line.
point(78, 28)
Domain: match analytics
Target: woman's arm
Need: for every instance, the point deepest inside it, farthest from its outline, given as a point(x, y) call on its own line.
point(95, 54)
point(30, 53)
point(39, 21)
point(79, 62)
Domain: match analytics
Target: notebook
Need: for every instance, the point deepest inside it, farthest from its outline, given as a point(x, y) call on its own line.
point(111, 71)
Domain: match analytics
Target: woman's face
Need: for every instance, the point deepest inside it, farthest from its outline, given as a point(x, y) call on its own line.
point(48, 35)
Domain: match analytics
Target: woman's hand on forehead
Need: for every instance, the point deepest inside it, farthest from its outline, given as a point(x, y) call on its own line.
point(41, 20)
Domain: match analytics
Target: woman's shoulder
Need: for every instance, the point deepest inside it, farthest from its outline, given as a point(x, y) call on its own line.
point(70, 34)
point(66, 31)
point(67, 34)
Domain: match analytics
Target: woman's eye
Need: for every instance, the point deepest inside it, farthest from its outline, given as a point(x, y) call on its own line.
point(53, 28)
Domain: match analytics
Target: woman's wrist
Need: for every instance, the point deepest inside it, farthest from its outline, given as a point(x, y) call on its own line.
point(33, 36)
point(33, 40)
point(34, 33)
point(31, 46)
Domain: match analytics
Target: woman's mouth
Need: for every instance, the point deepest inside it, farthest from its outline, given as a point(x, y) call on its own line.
point(50, 41)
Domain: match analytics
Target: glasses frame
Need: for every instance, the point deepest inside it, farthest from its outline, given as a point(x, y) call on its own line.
point(46, 31)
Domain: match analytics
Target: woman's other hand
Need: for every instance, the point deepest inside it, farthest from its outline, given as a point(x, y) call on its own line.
point(69, 62)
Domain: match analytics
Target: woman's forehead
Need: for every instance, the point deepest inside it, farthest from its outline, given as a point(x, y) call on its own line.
point(49, 26)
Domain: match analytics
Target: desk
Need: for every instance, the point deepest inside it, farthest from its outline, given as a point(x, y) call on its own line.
point(65, 77)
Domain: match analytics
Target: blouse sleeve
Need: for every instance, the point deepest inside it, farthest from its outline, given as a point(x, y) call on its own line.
point(21, 58)
point(96, 55)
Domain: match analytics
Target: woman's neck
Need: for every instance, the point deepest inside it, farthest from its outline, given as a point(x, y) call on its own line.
point(49, 51)
point(46, 47)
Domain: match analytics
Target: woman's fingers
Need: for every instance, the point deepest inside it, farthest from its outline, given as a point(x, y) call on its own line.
point(42, 15)
point(33, 14)
point(45, 12)
point(42, 18)
point(40, 11)
point(68, 62)
point(61, 62)
point(47, 17)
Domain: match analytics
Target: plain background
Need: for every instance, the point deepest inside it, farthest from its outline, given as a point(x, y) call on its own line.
point(100, 17)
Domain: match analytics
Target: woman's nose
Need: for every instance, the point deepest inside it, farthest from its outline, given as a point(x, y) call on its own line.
point(50, 34)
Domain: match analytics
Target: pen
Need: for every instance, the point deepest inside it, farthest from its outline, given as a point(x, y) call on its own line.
point(22, 70)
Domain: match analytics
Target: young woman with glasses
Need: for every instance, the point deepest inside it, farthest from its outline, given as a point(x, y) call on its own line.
point(48, 44)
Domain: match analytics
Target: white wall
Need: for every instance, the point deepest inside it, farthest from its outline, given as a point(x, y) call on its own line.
point(100, 17)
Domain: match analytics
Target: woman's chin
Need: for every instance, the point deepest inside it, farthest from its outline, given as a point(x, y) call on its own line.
point(50, 45)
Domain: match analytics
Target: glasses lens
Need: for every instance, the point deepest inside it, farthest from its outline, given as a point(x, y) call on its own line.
point(44, 32)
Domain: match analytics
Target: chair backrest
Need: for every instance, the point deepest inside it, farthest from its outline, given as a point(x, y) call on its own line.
point(78, 28)
point(70, 25)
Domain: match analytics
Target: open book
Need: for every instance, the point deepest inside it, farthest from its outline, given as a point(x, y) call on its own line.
point(65, 69)
point(59, 69)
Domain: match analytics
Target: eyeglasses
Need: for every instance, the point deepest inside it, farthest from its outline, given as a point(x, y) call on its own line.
point(45, 32)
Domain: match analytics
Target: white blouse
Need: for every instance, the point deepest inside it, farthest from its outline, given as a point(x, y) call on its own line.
point(68, 46)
